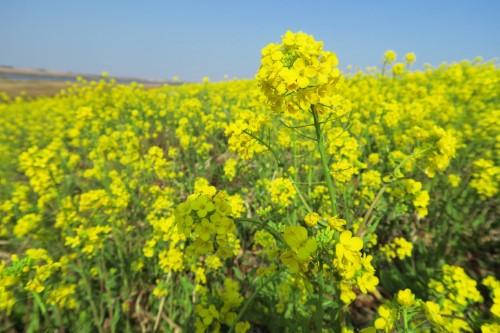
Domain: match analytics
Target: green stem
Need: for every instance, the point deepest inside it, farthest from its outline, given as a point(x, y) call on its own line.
point(268, 146)
point(324, 161)
point(93, 307)
point(282, 166)
point(405, 321)
point(301, 197)
point(370, 210)
point(249, 301)
point(273, 232)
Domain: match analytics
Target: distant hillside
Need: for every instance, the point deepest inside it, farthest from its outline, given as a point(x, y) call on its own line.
point(37, 74)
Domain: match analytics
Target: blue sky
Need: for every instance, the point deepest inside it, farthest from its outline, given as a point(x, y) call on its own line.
point(159, 39)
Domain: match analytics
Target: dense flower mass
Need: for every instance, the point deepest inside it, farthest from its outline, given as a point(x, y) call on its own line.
point(302, 201)
point(298, 73)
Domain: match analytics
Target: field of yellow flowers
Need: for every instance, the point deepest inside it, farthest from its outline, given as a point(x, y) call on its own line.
point(306, 200)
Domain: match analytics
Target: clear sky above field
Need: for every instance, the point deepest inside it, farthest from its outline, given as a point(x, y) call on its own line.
point(159, 39)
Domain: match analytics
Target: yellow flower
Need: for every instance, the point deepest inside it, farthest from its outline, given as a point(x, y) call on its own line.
point(371, 178)
point(454, 180)
point(213, 262)
point(298, 73)
point(486, 178)
point(336, 223)
point(406, 298)
point(26, 224)
point(63, 297)
point(490, 328)
point(389, 56)
point(410, 58)
point(160, 291)
point(230, 168)
point(312, 219)
point(420, 202)
point(367, 282)
point(374, 158)
point(242, 327)
point(403, 247)
point(399, 248)
point(398, 68)
point(171, 260)
point(385, 320)
point(348, 246)
point(347, 295)
point(433, 312)
point(282, 191)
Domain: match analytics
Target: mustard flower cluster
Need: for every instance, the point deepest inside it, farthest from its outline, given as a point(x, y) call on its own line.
point(355, 268)
point(486, 178)
point(454, 292)
point(282, 191)
point(398, 248)
point(443, 312)
point(298, 73)
point(205, 221)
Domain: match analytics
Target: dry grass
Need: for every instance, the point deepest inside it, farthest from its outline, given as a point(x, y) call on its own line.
point(39, 88)
point(31, 88)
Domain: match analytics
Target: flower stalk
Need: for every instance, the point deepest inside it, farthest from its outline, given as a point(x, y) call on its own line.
point(320, 139)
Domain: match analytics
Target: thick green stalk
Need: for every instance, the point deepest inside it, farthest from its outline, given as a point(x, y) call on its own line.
point(324, 161)
point(405, 320)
